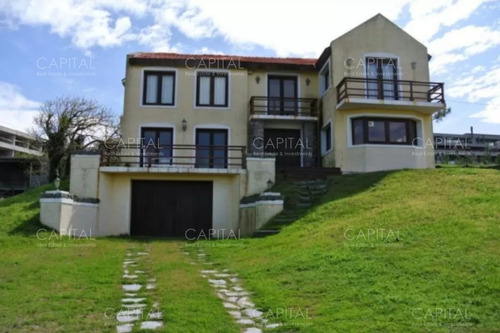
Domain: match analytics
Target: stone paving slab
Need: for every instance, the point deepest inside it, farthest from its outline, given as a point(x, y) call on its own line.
point(134, 304)
point(235, 298)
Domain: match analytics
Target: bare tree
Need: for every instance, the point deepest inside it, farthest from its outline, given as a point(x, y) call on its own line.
point(67, 124)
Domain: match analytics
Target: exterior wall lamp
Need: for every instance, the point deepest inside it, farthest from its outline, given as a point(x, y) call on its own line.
point(308, 82)
point(257, 79)
point(414, 65)
point(184, 125)
point(270, 183)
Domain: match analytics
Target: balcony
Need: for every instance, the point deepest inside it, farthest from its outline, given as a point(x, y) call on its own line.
point(390, 94)
point(262, 107)
point(173, 158)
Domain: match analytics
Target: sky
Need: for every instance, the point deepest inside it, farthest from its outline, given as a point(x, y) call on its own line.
point(59, 48)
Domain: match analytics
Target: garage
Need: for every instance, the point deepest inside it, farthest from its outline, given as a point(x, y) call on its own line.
point(169, 208)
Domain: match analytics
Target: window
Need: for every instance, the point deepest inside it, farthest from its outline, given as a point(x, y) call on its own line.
point(212, 148)
point(282, 95)
point(383, 131)
point(156, 146)
point(382, 76)
point(324, 78)
point(212, 89)
point(159, 88)
point(326, 138)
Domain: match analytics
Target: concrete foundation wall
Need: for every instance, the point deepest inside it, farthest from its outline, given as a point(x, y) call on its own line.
point(69, 217)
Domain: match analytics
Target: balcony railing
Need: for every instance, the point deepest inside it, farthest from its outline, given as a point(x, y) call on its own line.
point(282, 106)
point(191, 156)
point(400, 90)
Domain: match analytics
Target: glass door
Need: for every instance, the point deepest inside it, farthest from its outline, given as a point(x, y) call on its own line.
point(211, 150)
point(282, 95)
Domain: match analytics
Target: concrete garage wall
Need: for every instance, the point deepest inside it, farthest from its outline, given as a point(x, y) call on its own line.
point(112, 189)
point(115, 196)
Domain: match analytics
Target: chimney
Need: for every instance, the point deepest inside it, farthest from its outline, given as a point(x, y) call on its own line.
point(471, 134)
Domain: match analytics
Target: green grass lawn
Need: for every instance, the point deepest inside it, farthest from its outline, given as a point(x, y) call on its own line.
point(57, 284)
point(412, 251)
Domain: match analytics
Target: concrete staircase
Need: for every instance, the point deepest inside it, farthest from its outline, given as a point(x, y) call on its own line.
point(306, 194)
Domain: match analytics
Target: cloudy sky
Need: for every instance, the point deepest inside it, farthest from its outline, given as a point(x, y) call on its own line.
point(77, 47)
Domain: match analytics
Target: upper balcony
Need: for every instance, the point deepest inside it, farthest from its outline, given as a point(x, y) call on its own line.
point(390, 94)
point(284, 108)
point(163, 158)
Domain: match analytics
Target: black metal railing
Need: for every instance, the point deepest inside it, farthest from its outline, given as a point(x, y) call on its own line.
point(401, 90)
point(158, 155)
point(282, 106)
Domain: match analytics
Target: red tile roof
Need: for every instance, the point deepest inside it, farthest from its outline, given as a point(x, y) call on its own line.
point(218, 57)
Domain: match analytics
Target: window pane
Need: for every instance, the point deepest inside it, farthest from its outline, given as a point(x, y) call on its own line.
point(274, 88)
point(376, 131)
point(167, 93)
point(151, 88)
point(357, 127)
point(388, 73)
point(371, 75)
point(289, 91)
point(202, 154)
point(328, 134)
point(165, 137)
point(326, 78)
point(397, 132)
point(204, 93)
point(149, 138)
point(219, 152)
point(220, 90)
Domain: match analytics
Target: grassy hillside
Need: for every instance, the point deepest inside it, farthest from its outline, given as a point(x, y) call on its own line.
point(410, 251)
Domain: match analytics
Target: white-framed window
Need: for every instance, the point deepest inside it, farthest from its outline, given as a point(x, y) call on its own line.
point(212, 89)
point(326, 138)
point(159, 88)
point(324, 78)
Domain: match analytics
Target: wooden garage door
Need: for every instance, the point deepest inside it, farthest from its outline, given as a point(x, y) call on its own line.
point(169, 208)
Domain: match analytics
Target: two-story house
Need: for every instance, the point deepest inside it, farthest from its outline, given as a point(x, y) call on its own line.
point(201, 132)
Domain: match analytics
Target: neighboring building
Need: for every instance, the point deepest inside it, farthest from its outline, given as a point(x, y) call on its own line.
point(201, 132)
point(449, 146)
point(18, 167)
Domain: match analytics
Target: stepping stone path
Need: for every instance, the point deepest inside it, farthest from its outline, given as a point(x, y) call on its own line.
point(137, 309)
point(234, 297)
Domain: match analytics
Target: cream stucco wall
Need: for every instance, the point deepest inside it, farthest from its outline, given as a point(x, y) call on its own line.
point(84, 176)
point(259, 172)
point(233, 117)
point(377, 37)
point(370, 157)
